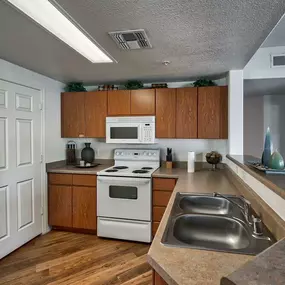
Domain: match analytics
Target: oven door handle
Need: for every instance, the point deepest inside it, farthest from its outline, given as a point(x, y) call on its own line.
point(133, 182)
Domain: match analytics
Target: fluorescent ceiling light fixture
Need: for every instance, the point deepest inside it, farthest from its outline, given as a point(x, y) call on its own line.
point(49, 17)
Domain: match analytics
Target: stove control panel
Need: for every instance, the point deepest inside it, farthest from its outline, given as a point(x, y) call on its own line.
point(137, 154)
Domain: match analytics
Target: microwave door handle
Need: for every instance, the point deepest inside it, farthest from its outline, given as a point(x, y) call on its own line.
point(141, 133)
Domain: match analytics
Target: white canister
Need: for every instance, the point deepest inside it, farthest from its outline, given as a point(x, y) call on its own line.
point(191, 161)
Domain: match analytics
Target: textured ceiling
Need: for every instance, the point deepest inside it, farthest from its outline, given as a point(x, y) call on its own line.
point(199, 37)
point(261, 87)
point(277, 36)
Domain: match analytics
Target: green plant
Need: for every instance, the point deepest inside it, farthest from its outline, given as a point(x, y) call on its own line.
point(204, 82)
point(74, 87)
point(133, 84)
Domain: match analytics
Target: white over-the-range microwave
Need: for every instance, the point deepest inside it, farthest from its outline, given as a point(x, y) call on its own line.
point(136, 130)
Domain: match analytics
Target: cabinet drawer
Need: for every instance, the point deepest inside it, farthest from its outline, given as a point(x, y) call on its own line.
point(166, 184)
point(60, 179)
point(155, 226)
point(157, 213)
point(84, 180)
point(161, 198)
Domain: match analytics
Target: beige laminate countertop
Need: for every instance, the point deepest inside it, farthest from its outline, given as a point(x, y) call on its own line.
point(70, 169)
point(182, 266)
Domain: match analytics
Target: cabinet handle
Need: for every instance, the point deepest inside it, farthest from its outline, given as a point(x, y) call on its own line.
point(81, 135)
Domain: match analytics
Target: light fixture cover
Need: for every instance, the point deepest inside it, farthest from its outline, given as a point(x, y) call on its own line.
point(49, 17)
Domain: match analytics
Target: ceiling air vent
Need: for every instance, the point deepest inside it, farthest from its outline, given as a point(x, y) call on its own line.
point(277, 60)
point(133, 39)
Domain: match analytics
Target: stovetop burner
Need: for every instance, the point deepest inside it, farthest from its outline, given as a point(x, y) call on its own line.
point(111, 170)
point(147, 168)
point(140, 171)
point(120, 167)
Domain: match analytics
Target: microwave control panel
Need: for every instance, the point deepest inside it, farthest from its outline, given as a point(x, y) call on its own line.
point(148, 132)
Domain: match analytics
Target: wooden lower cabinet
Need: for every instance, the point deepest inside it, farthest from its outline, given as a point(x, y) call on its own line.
point(157, 279)
point(73, 205)
point(84, 208)
point(60, 205)
point(161, 192)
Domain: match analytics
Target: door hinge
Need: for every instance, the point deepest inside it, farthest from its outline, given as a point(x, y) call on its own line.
point(41, 106)
point(42, 158)
point(42, 210)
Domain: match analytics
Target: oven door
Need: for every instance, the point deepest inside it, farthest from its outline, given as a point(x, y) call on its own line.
point(123, 133)
point(124, 198)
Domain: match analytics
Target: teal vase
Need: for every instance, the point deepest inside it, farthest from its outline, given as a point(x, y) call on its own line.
point(267, 149)
point(276, 161)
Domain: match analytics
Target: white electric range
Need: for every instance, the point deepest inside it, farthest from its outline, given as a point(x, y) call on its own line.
point(124, 195)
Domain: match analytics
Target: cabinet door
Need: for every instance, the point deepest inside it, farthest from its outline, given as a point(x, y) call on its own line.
point(95, 114)
point(157, 279)
point(119, 102)
point(60, 206)
point(212, 112)
point(186, 113)
point(72, 115)
point(165, 113)
point(143, 102)
point(84, 207)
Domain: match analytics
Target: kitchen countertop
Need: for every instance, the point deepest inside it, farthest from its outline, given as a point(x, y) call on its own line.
point(276, 182)
point(185, 266)
point(70, 169)
point(266, 269)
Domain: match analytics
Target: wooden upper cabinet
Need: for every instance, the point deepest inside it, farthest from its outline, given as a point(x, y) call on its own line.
point(95, 114)
point(143, 102)
point(187, 113)
point(72, 115)
point(213, 112)
point(165, 113)
point(119, 103)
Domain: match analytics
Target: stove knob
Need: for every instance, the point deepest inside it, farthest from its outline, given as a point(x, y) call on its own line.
point(145, 153)
point(149, 154)
point(117, 153)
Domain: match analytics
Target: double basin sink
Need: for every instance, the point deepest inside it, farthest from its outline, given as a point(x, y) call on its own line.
point(213, 223)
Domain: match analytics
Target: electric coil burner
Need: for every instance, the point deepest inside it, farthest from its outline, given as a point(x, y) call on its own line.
point(120, 167)
point(111, 170)
point(140, 171)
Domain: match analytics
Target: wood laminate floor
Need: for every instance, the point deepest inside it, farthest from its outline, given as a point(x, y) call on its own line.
point(71, 258)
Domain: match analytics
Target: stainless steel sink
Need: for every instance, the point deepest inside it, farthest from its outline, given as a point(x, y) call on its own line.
point(206, 205)
point(212, 223)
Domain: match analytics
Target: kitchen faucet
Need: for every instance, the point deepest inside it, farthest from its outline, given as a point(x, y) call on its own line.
point(246, 208)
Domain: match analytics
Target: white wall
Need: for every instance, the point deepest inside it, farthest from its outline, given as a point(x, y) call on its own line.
point(180, 147)
point(261, 112)
point(54, 144)
point(235, 105)
point(260, 67)
point(274, 118)
point(253, 125)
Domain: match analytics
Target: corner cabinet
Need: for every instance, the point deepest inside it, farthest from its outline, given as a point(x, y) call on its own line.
point(72, 201)
point(83, 114)
point(72, 114)
point(213, 112)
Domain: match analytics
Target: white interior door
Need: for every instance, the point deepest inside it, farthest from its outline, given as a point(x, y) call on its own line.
point(20, 166)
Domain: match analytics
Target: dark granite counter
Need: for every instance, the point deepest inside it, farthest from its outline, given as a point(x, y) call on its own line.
point(266, 269)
